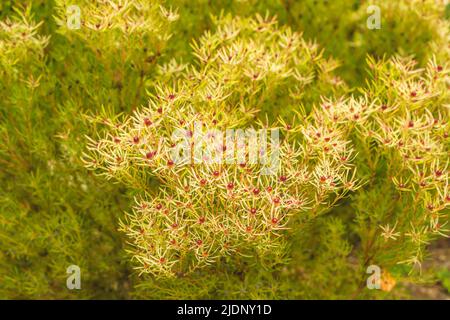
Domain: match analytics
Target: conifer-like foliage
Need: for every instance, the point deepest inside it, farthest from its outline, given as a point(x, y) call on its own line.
point(222, 149)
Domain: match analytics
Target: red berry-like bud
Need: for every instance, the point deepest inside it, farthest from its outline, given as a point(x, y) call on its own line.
point(160, 110)
point(147, 122)
point(384, 107)
point(230, 186)
point(410, 124)
point(162, 260)
point(242, 165)
point(171, 96)
point(116, 140)
point(274, 220)
point(201, 220)
point(136, 140)
point(216, 173)
point(283, 178)
point(439, 68)
point(248, 229)
point(174, 225)
point(255, 191)
point(150, 155)
point(323, 179)
point(170, 163)
point(203, 182)
point(159, 206)
point(413, 94)
point(276, 200)
point(269, 189)
point(253, 210)
point(199, 242)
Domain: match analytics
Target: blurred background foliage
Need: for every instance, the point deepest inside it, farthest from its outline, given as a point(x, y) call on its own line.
point(54, 213)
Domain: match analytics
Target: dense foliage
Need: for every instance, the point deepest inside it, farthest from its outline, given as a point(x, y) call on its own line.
point(91, 116)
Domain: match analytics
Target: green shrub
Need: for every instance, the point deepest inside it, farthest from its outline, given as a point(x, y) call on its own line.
point(87, 169)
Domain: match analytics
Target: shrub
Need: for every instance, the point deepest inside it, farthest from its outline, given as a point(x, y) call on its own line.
point(109, 131)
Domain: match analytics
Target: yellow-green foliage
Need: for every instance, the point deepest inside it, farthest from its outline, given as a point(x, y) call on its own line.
point(408, 27)
point(91, 120)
